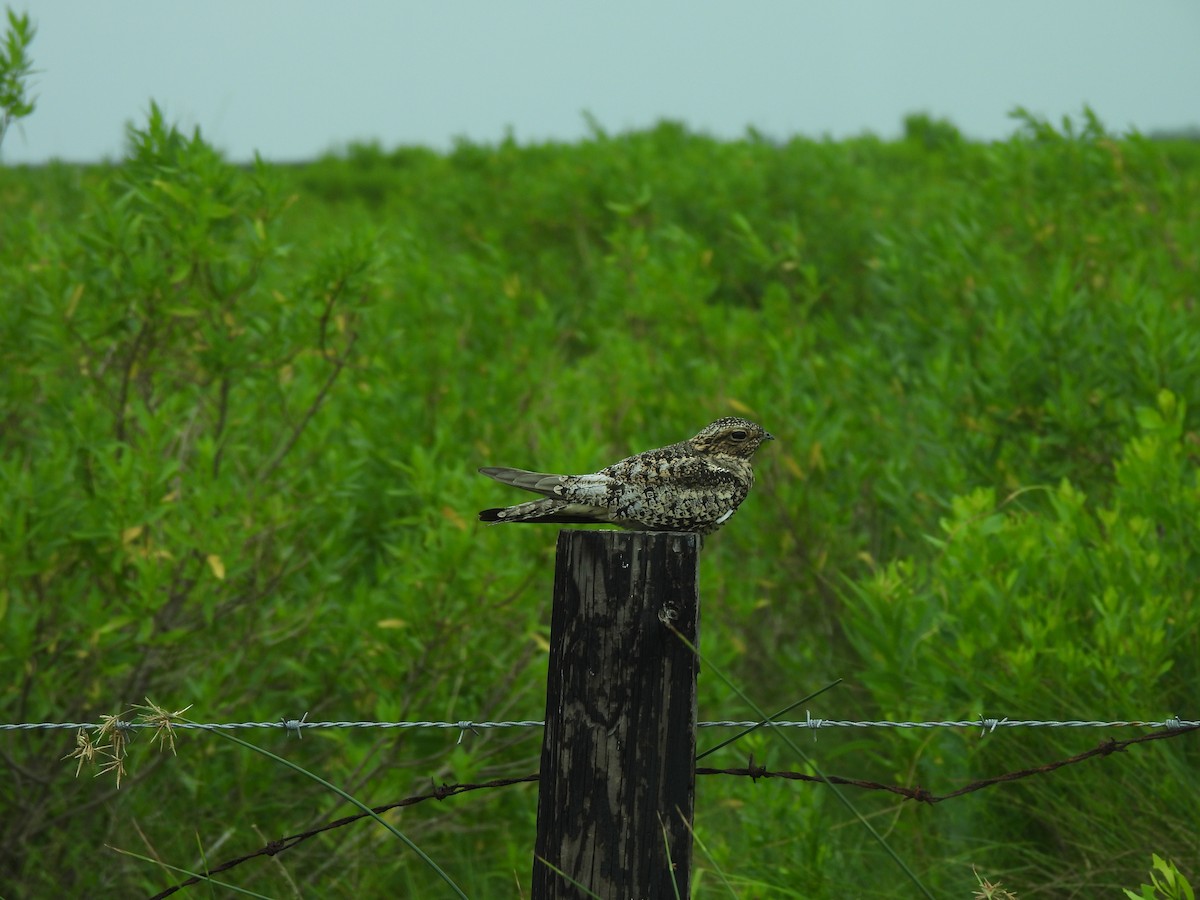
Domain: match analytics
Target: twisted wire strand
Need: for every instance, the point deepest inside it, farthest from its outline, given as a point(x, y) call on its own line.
point(988, 725)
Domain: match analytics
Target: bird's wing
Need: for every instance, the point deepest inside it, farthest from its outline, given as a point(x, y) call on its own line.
point(643, 473)
point(677, 470)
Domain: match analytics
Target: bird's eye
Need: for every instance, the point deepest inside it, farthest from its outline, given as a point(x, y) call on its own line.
point(738, 435)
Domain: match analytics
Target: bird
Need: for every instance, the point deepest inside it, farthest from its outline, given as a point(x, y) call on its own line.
point(693, 486)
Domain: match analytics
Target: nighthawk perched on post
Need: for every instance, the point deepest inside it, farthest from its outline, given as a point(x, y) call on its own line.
point(695, 485)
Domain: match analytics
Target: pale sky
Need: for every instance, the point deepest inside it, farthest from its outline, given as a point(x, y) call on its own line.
point(295, 79)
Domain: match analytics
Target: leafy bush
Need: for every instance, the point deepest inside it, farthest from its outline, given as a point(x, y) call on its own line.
point(1166, 881)
point(15, 69)
point(242, 410)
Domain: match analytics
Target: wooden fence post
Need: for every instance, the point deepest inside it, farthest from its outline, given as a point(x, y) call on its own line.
point(618, 769)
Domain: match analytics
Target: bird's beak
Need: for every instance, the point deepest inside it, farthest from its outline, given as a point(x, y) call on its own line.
point(767, 436)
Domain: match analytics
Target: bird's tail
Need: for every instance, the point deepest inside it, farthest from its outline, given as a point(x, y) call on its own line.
point(538, 482)
point(551, 511)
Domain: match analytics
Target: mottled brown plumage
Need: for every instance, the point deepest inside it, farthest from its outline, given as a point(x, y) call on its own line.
point(695, 485)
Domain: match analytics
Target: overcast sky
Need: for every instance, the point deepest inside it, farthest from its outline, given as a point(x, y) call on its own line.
point(298, 78)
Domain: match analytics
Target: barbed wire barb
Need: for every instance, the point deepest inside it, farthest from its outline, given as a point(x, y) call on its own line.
point(989, 725)
point(294, 726)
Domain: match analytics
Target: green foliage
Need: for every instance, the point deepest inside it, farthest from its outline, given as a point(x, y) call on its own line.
point(156, 401)
point(932, 134)
point(1166, 883)
point(15, 69)
point(241, 410)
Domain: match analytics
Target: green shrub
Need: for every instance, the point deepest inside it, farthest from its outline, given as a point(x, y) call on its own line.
point(241, 412)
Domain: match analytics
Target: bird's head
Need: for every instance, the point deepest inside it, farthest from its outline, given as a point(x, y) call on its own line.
point(731, 436)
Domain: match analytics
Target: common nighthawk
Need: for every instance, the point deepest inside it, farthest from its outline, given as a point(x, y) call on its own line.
point(695, 485)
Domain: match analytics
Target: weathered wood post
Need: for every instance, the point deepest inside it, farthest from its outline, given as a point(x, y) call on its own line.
point(617, 779)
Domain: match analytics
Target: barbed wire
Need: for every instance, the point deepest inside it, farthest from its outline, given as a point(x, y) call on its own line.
point(296, 726)
point(751, 771)
point(922, 795)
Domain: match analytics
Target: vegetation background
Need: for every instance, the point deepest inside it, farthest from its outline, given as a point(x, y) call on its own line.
point(241, 411)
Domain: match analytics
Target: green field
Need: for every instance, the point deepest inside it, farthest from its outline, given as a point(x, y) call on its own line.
point(242, 409)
